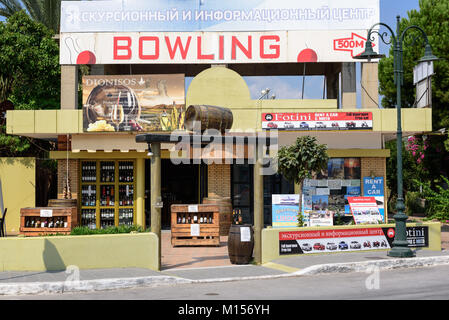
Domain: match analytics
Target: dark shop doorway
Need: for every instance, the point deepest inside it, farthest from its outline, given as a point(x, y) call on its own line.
point(180, 184)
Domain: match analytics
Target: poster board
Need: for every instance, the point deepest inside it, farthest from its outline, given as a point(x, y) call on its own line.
point(285, 209)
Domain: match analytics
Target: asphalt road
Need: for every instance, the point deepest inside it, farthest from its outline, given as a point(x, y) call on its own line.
point(415, 283)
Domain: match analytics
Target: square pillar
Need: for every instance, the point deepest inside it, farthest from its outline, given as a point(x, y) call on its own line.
point(348, 86)
point(370, 85)
point(69, 87)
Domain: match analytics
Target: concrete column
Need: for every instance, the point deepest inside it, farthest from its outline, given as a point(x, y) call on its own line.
point(140, 192)
point(69, 87)
point(258, 206)
point(97, 70)
point(348, 86)
point(156, 194)
point(332, 81)
point(370, 85)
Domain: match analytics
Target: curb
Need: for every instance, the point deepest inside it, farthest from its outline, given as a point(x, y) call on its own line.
point(154, 281)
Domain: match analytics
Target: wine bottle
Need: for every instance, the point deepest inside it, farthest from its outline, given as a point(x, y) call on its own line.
point(240, 216)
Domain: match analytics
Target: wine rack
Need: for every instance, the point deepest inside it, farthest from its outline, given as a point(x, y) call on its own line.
point(56, 220)
point(205, 217)
point(107, 193)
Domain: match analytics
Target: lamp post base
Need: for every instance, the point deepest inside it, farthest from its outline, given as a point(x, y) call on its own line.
point(401, 252)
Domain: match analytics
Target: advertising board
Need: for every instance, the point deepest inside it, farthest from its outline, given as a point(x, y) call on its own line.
point(211, 47)
point(133, 103)
point(285, 209)
point(365, 210)
point(318, 121)
point(217, 15)
point(344, 240)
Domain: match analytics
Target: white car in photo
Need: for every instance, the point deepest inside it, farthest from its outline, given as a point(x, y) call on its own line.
point(306, 247)
point(331, 246)
point(355, 245)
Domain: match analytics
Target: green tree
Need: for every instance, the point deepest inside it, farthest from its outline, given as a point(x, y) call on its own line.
point(433, 18)
point(29, 75)
point(301, 160)
point(428, 163)
point(47, 12)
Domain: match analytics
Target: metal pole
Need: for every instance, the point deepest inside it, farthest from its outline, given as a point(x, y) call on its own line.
point(400, 244)
point(156, 195)
point(258, 204)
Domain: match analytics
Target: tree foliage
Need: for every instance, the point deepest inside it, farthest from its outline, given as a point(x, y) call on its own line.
point(29, 74)
point(47, 12)
point(302, 159)
point(433, 18)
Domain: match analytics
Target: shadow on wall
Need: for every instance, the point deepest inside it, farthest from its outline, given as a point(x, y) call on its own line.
point(28, 162)
point(51, 257)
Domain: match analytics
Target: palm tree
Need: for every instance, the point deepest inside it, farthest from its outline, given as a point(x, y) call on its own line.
point(47, 12)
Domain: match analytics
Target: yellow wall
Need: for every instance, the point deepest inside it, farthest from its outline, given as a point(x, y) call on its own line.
point(270, 237)
point(86, 252)
point(222, 87)
point(18, 186)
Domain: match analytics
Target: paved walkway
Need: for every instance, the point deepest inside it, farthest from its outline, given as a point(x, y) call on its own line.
point(210, 264)
point(193, 257)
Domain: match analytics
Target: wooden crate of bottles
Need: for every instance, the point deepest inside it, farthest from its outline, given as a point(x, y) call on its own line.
point(49, 220)
point(207, 217)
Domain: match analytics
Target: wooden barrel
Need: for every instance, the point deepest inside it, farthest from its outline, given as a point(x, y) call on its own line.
point(62, 203)
point(225, 209)
point(211, 117)
point(240, 252)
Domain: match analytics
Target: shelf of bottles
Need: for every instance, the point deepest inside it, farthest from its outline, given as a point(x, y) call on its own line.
point(107, 193)
point(40, 222)
point(189, 218)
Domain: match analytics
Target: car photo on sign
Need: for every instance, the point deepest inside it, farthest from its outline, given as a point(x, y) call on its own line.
point(306, 247)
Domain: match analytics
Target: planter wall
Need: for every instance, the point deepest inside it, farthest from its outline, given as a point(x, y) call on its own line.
point(86, 252)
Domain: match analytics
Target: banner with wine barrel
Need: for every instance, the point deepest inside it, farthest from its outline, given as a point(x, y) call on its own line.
point(147, 103)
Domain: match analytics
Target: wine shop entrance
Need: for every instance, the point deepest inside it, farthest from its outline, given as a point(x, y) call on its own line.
point(180, 184)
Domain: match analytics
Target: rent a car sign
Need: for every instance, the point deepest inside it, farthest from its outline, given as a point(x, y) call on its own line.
point(318, 121)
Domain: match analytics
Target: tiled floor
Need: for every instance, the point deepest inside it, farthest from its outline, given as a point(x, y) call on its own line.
point(193, 257)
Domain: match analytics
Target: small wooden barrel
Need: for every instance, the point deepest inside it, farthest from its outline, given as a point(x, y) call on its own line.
point(240, 252)
point(225, 207)
point(62, 203)
point(211, 117)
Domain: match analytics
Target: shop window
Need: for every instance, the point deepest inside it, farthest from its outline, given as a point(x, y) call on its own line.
point(274, 184)
point(242, 191)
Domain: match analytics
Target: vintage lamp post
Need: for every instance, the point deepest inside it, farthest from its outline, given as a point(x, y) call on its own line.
point(400, 244)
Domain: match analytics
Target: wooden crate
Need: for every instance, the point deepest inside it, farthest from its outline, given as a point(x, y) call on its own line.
point(67, 214)
point(181, 232)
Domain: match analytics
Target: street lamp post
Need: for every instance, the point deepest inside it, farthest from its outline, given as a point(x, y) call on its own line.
point(400, 244)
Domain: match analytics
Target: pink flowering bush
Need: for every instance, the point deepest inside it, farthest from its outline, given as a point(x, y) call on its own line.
point(417, 148)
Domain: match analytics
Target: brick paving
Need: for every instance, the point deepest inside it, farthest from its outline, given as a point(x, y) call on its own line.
point(193, 257)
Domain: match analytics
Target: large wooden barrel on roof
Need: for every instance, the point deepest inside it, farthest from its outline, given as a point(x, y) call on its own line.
point(210, 117)
point(225, 208)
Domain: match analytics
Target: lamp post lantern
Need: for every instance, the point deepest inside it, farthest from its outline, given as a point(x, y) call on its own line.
point(400, 244)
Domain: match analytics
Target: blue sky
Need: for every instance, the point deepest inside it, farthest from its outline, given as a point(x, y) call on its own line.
point(290, 87)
